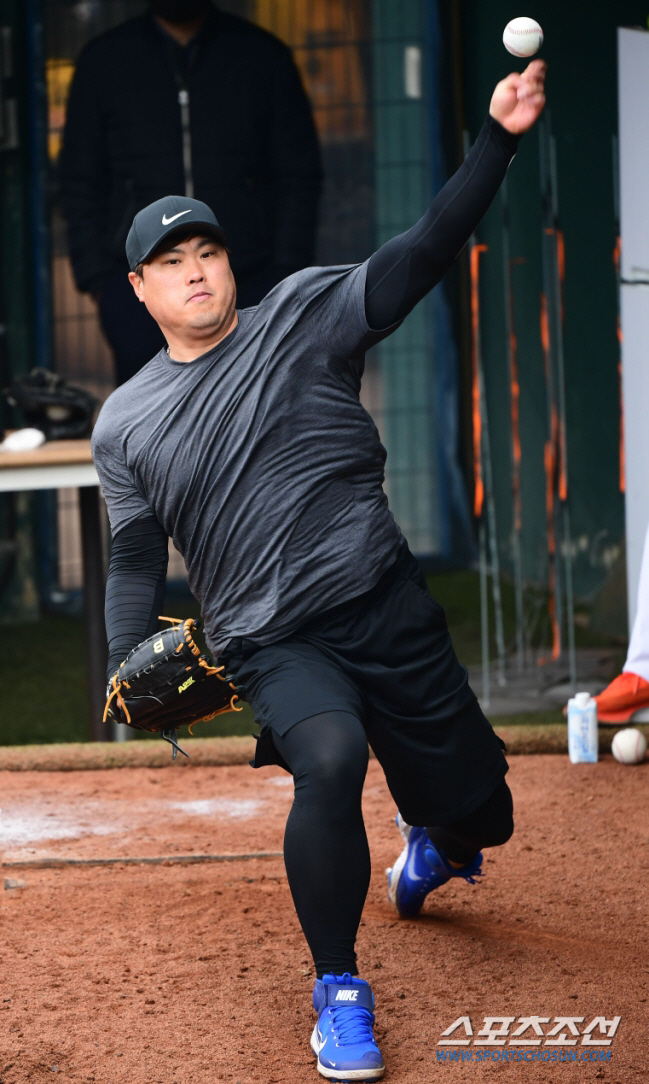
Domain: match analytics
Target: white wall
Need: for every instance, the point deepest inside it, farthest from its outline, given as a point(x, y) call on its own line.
point(633, 90)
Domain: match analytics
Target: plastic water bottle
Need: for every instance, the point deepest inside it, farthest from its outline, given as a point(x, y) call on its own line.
point(582, 729)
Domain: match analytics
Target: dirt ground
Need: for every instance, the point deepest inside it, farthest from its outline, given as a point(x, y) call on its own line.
point(191, 974)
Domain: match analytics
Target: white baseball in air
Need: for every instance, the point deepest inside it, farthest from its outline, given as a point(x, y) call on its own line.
point(629, 746)
point(523, 37)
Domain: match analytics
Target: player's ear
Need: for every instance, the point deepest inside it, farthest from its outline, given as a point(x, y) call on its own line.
point(137, 282)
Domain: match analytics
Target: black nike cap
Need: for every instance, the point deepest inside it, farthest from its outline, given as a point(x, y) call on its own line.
point(158, 221)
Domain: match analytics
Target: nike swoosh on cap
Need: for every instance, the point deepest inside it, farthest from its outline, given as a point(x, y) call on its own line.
point(167, 221)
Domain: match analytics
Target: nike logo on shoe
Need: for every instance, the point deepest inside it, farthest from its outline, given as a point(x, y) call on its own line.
point(167, 221)
point(347, 995)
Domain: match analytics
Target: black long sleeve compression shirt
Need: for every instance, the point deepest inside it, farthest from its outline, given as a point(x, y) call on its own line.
point(407, 267)
point(399, 275)
point(135, 587)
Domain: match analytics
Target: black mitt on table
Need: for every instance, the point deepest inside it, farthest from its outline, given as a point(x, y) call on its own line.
point(60, 410)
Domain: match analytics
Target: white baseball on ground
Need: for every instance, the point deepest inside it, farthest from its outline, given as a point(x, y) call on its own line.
point(629, 746)
point(523, 37)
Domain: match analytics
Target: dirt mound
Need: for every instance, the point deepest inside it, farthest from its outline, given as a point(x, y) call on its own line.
point(174, 973)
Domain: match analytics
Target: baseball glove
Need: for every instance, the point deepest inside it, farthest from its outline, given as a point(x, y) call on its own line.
point(58, 409)
point(165, 683)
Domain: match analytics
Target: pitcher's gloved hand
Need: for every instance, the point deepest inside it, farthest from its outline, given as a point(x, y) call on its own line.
point(165, 683)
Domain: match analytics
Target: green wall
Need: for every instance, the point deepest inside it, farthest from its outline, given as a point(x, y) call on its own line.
point(580, 48)
point(19, 596)
point(407, 414)
point(16, 282)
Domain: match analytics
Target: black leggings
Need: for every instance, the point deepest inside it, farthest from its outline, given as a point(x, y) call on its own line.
point(325, 847)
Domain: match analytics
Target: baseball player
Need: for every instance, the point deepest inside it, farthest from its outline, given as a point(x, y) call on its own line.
point(244, 440)
point(628, 693)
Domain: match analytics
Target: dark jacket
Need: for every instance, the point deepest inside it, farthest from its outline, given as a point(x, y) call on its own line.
point(254, 156)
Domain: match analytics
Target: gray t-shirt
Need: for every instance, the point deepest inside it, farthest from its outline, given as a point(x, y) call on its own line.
point(259, 460)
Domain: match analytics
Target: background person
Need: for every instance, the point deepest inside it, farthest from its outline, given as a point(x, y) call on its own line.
point(629, 691)
point(190, 100)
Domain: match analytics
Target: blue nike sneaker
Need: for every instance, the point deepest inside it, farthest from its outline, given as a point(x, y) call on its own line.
point(420, 868)
point(342, 1038)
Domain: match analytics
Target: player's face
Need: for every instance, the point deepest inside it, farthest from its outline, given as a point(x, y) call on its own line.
point(189, 289)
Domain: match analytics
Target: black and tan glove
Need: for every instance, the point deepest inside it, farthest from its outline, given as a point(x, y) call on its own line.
point(165, 683)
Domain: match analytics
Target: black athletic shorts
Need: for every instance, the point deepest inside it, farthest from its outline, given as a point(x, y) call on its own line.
point(385, 657)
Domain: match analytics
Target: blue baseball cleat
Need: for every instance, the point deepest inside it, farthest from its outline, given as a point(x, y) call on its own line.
point(342, 1038)
point(420, 868)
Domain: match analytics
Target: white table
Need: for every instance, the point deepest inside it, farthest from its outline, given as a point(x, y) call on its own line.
point(61, 464)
